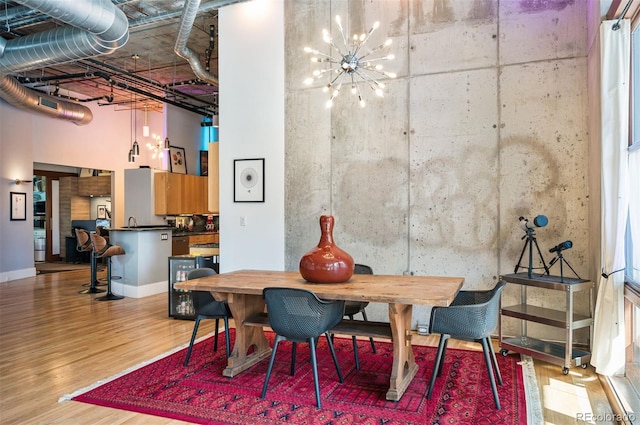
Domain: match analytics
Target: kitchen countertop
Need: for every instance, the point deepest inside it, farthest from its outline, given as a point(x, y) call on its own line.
point(142, 228)
point(166, 228)
point(178, 233)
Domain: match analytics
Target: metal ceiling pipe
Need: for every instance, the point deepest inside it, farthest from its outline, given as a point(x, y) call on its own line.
point(22, 97)
point(189, 13)
point(95, 28)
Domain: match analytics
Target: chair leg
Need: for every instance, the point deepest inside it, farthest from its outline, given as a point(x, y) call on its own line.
point(444, 352)
point(193, 338)
point(215, 337)
point(373, 346)
point(495, 362)
point(355, 351)
point(335, 358)
point(109, 296)
point(273, 357)
point(294, 349)
point(487, 359)
point(439, 360)
point(94, 278)
point(227, 342)
point(314, 362)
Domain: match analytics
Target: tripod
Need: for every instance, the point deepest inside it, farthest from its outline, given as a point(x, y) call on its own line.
point(559, 258)
point(531, 240)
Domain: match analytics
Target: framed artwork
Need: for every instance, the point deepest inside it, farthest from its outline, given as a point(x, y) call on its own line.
point(18, 204)
point(248, 181)
point(102, 212)
point(204, 163)
point(177, 160)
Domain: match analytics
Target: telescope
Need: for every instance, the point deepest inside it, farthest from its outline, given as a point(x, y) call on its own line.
point(562, 246)
point(538, 221)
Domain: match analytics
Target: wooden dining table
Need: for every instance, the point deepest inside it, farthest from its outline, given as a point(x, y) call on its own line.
point(242, 290)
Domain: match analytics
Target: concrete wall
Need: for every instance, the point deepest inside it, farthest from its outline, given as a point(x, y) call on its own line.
point(486, 122)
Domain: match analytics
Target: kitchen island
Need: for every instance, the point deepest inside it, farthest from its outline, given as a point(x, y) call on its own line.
point(143, 269)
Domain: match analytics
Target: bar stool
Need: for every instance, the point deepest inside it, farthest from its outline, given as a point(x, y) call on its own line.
point(102, 249)
point(84, 245)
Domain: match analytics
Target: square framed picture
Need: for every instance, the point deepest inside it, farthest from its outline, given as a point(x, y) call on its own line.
point(248, 181)
point(18, 205)
point(177, 160)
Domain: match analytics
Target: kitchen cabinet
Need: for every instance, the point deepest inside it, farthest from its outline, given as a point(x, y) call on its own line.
point(202, 239)
point(560, 353)
point(180, 245)
point(94, 186)
point(180, 194)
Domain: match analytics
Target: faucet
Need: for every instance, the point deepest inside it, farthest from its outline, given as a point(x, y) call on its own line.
point(135, 222)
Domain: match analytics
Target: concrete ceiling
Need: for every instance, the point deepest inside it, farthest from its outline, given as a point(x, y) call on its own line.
point(158, 71)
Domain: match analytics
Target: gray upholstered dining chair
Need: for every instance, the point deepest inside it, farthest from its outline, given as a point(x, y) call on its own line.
point(206, 307)
point(351, 308)
point(298, 315)
point(472, 316)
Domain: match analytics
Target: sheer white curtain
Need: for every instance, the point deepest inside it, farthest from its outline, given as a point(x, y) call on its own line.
point(608, 352)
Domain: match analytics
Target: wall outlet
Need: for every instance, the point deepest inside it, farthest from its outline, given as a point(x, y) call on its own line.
point(422, 329)
point(243, 221)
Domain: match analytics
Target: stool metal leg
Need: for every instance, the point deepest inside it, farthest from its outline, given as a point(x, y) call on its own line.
point(109, 296)
point(94, 278)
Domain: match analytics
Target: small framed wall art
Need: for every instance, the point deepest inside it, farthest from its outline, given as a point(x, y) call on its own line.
point(177, 160)
point(18, 205)
point(102, 212)
point(204, 163)
point(248, 181)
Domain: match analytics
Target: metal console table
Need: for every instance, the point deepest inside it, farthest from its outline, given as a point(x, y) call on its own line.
point(564, 354)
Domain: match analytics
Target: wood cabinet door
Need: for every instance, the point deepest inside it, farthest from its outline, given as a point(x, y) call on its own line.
point(180, 194)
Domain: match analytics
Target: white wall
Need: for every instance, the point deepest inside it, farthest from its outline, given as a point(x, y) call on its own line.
point(27, 138)
point(252, 126)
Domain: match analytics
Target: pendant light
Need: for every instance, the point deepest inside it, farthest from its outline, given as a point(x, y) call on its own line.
point(136, 147)
point(145, 127)
point(132, 158)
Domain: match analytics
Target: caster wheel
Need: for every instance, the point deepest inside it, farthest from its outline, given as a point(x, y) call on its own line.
point(583, 365)
point(565, 371)
point(504, 352)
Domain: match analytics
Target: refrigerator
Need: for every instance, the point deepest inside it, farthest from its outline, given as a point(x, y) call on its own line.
point(180, 301)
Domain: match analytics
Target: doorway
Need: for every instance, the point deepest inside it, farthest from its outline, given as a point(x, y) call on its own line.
point(46, 218)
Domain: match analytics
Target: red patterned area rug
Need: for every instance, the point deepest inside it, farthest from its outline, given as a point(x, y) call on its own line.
point(200, 394)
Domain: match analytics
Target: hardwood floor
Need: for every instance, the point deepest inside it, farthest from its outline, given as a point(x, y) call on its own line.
point(54, 341)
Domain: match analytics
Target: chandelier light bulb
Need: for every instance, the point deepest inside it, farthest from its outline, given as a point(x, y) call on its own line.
point(350, 63)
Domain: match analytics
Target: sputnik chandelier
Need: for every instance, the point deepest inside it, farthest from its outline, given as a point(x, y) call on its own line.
point(158, 147)
point(354, 67)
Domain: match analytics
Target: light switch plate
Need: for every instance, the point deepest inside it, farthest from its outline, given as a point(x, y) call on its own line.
point(422, 329)
point(164, 236)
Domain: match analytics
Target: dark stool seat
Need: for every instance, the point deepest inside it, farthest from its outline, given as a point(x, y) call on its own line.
point(102, 249)
point(84, 245)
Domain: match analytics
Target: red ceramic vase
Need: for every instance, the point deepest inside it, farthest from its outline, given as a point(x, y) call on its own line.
point(326, 263)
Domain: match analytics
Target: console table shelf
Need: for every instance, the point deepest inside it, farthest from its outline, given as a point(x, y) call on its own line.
point(564, 354)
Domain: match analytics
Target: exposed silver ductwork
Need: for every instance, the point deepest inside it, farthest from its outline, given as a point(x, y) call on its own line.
point(95, 28)
point(186, 23)
point(25, 98)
